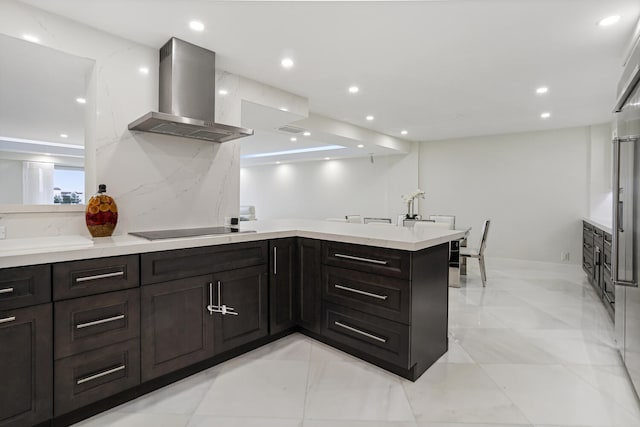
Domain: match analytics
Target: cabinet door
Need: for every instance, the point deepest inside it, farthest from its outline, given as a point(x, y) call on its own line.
point(309, 279)
point(282, 285)
point(245, 291)
point(26, 366)
point(176, 327)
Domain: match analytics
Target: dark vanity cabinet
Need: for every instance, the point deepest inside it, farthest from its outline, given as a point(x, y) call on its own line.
point(283, 284)
point(26, 346)
point(309, 275)
point(596, 263)
point(200, 302)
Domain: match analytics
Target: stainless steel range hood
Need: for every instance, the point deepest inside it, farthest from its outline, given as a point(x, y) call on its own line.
point(187, 96)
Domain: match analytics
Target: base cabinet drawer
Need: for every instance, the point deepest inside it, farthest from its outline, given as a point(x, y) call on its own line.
point(88, 323)
point(95, 375)
point(387, 262)
point(95, 276)
point(377, 337)
point(382, 296)
point(25, 286)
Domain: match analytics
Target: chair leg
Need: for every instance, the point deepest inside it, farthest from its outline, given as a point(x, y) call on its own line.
point(483, 271)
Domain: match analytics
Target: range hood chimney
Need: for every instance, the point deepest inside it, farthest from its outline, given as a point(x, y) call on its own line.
point(187, 96)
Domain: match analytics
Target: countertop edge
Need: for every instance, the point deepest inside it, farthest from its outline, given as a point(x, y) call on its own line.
point(606, 227)
point(128, 245)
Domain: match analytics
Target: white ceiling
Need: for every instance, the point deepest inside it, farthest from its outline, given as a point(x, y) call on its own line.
point(440, 69)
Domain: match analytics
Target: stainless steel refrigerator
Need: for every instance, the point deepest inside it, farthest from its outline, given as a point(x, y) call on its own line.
point(626, 216)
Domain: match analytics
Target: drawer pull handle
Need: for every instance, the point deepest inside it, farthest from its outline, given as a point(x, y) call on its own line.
point(99, 322)
point(8, 319)
point(100, 375)
point(358, 331)
point(357, 258)
point(99, 276)
point(6, 291)
point(358, 291)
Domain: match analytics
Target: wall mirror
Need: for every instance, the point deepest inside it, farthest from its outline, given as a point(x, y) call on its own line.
point(43, 105)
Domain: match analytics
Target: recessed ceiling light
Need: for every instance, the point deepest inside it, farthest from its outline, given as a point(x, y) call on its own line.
point(307, 133)
point(81, 100)
point(542, 90)
point(369, 118)
point(609, 20)
point(283, 109)
point(64, 135)
point(30, 38)
point(294, 139)
point(404, 132)
point(360, 145)
point(545, 115)
point(223, 92)
point(354, 89)
point(327, 158)
point(196, 25)
point(287, 62)
point(277, 163)
point(143, 70)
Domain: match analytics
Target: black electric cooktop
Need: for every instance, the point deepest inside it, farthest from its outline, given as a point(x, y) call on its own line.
point(188, 232)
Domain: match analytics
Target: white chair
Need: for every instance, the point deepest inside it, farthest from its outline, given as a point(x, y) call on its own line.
point(336, 219)
point(449, 219)
point(479, 253)
point(353, 218)
point(430, 224)
point(368, 220)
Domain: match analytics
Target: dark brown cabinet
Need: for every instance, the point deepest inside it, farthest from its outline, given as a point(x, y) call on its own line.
point(177, 328)
point(283, 284)
point(309, 310)
point(26, 366)
point(25, 286)
point(245, 293)
point(596, 263)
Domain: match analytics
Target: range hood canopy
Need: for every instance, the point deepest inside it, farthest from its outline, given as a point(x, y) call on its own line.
point(187, 96)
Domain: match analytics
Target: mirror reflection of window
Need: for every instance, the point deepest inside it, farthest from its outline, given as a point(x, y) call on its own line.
point(41, 124)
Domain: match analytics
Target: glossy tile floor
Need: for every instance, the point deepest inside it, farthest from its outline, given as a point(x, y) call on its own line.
point(535, 348)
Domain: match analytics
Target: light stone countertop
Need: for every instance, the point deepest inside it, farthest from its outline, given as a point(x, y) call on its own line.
point(602, 224)
point(20, 252)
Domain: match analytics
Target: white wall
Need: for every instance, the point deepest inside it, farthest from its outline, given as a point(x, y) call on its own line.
point(334, 188)
point(600, 173)
point(533, 186)
point(158, 181)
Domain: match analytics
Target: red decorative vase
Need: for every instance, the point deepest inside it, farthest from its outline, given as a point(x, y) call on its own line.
point(101, 214)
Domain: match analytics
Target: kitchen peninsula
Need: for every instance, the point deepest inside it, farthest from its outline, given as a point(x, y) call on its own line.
point(116, 319)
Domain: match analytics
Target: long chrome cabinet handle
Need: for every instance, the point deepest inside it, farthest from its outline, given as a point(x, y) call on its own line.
point(100, 375)
point(275, 261)
point(6, 291)
point(358, 291)
point(358, 331)
point(99, 276)
point(615, 278)
point(210, 306)
point(8, 319)
point(357, 258)
point(99, 322)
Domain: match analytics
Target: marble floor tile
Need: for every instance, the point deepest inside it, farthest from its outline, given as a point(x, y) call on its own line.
point(215, 421)
point(552, 394)
point(460, 393)
point(609, 380)
point(321, 352)
point(501, 346)
point(183, 397)
point(455, 354)
point(353, 423)
point(258, 388)
point(525, 318)
point(490, 298)
point(121, 419)
point(354, 391)
point(573, 346)
point(292, 347)
point(473, 317)
point(471, 425)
